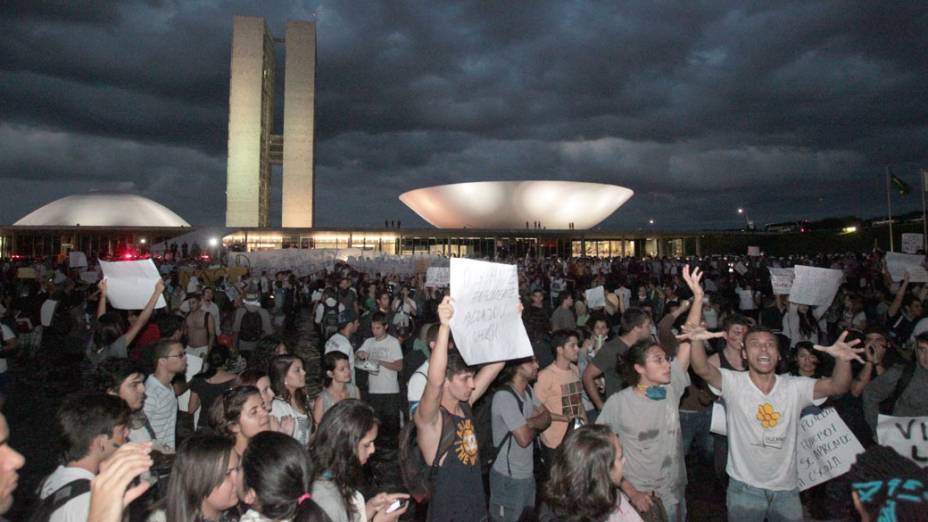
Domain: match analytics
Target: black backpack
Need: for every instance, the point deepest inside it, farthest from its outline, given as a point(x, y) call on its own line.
point(48, 505)
point(329, 320)
point(418, 477)
point(251, 328)
point(493, 451)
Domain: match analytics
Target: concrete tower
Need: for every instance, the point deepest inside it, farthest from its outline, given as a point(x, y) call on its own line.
point(253, 147)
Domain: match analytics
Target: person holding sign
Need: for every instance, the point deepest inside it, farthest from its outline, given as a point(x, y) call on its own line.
point(900, 390)
point(762, 413)
point(452, 388)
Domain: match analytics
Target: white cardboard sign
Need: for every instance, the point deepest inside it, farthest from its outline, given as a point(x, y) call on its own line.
point(815, 286)
point(912, 243)
point(781, 279)
point(487, 325)
point(437, 277)
point(826, 449)
point(899, 264)
point(907, 435)
point(129, 284)
point(754, 251)
point(595, 297)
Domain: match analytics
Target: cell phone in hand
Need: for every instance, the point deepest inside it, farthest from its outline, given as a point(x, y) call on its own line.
point(396, 505)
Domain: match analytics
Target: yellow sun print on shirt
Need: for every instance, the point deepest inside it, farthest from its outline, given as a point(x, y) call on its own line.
point(466, 443)
point(767, 416)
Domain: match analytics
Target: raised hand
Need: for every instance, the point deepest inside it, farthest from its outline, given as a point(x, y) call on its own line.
point(445, 311)
point(693, 279)
point(843, 351)
point(698, 333)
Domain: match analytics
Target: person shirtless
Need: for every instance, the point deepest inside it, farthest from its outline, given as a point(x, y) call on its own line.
point(199, 328)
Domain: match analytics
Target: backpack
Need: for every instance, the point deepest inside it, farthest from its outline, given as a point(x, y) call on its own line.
point(493, 451)
point(418, 477)
point(52, 503)
point(889, 404)
point(251, 327)
point(329, 320)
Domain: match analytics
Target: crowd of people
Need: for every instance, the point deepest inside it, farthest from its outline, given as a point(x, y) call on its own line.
point(206, 410)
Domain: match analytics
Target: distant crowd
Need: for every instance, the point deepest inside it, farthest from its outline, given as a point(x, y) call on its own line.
point(268, 396)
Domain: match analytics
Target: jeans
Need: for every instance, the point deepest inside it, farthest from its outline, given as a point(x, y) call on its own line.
point(676, 512)
point(747, 503)
point(695, 428)
point(509, 497)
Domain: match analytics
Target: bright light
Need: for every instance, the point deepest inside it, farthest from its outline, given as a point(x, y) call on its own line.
point(143, 241)
point(741, 211)
point(213, 242)
point(650, 221)
point(849, 230)
point(127, 255)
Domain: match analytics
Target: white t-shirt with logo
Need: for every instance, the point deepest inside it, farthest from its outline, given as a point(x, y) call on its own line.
point(763, 429)
point(387, 349)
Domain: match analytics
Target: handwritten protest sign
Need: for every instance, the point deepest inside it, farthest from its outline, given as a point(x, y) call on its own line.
point(826, 449)
point(595, 297)
point(912, 243)
point(486, 324)
point(754, 251)
point(437, 277)
point(77, 259)
point(815, 286)
point(781, 279)
point(907, 435)
point(129, 284)
point(899, 264)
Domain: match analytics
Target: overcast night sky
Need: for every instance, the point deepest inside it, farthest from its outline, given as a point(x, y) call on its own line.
point(789, 109)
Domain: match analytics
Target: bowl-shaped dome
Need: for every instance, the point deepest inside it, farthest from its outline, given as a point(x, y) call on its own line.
point(103, 210)
point(510, 204)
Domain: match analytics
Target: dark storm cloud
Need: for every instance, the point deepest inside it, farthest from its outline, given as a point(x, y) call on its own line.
point(789, 109)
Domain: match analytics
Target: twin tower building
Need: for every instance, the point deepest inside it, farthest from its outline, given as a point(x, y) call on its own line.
point(253, 145)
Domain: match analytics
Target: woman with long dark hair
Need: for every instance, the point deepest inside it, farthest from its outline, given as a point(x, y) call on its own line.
point(207, 386)
point(276, 481)
point(584, 479)
point(340, 448)
point(204, 483)
point(288, 380)
point(336, 384)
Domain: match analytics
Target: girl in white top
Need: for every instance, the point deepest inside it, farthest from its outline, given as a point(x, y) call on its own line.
point(288, 380)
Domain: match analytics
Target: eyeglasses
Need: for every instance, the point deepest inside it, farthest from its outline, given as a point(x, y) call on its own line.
point(178, 355)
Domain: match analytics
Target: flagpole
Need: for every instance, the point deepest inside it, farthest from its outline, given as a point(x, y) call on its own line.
point(889, 207)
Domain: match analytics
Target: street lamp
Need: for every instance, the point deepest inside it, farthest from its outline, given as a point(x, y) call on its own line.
point(650, 221)
point(747, 222)
point(213, 242)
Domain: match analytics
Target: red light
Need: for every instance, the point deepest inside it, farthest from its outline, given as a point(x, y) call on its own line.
point(127, 256)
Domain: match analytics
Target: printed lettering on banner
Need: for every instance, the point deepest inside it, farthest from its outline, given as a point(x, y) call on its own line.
point(907, 435)
point(487, 325)
point(129, 284)
point(826, 449)
point(437, 277)
point(595, 297)
point(912, 243)
point(77, 259)
point(781, 279)
point(898, 264)
point(815, 286)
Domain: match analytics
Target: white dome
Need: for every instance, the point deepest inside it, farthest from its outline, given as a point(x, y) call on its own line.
point(510, 204)
point(102, 210)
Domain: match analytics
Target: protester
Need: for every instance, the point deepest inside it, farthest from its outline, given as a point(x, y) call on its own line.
point(276, 481)
point(160, 396)
point(11, 461)
point(340, 341)
point(560, 389)
point(204, 484)
point(199, 327)
point(340, 448)
point(451, 389)
point(112, 490)
point(239, 414)
point(288, 380)
point(900, 390)
point(251, 323)
point(636, 327)
point(109, 341)
point(383, 387)
point(336, 384)
point(206, 386)
point(585, 478)
point(517, 419)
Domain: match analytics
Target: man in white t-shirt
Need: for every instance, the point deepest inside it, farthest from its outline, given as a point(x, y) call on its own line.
point(762, 412)
point(383, 386)
point(93, 427)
